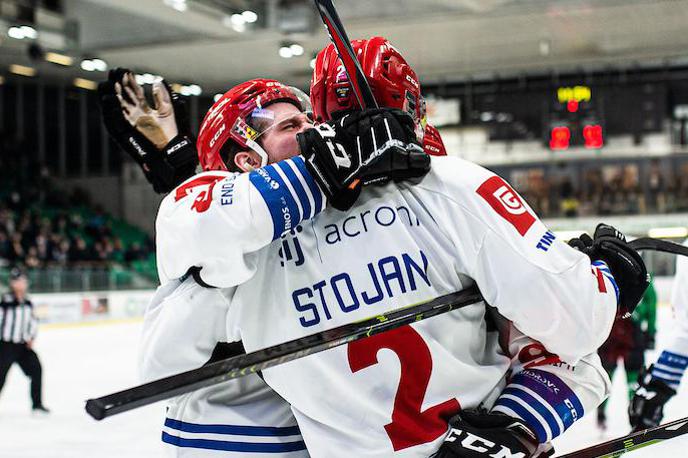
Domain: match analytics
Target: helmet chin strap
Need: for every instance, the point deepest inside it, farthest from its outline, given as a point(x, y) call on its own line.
point(258, 149)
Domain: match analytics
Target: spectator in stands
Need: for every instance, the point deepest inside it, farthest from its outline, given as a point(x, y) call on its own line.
point(117, 252)
point(134, 253)
point(656, 188)
point(569, 201)
point(78, 252)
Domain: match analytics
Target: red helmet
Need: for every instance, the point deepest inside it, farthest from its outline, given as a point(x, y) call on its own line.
point(230, 119)
point(432, 142)
point(392, 80)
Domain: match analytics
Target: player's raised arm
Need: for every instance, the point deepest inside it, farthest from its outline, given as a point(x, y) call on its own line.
point(552, 292)
point(157, 137)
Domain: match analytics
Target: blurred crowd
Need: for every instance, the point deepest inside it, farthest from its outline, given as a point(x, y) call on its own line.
point(43, 226)
point(606, 190)
point(61, 238)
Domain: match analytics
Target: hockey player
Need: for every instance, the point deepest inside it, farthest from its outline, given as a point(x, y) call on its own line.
point(238, 408)
point(252, 125)
point(628, 341)
point(392, 82)
point(661, 380)
point(243, 418)
point(392, 394)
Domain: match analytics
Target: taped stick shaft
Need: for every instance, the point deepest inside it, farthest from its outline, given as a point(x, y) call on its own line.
point(250, 363)
point(648, 243)
point(335, 28)
point(619, 446)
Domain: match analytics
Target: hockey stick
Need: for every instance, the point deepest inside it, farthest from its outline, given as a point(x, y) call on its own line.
point(619, 446)
point(241, 365)
point(335, 29)
point(647, 243)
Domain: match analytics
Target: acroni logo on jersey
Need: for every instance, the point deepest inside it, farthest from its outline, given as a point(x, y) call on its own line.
point(504, 200)
point(357, 224)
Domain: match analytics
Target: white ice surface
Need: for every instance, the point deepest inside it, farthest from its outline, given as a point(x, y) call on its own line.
point(585, 433)
point(79, 363)
point(90, 361)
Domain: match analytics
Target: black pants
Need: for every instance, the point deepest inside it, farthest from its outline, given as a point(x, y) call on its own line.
point(27, 359)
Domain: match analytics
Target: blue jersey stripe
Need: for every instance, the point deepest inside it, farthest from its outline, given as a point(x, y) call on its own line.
point(240, 430)
point(669, 370)
point(675, 360)
point(538, 406)
point(255, 447)
point(315, 190)
point(657, 372)
point(613, 282)
point(604, 268)
point(535, 424)
point(298, 188)
point(554, 391)
point(672, 383)
point(278, 198)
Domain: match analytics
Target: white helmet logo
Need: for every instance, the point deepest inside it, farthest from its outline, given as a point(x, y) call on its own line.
point(217, 135)
point(508, 199)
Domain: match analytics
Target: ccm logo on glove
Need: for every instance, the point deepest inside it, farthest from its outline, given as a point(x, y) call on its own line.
point(504, 200)
point(475, 443)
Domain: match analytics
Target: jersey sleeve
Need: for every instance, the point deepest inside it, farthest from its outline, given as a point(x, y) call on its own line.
point(182, 325)
point(216, 221)
point(547, 394)
point(550, 291)
point(673, 361)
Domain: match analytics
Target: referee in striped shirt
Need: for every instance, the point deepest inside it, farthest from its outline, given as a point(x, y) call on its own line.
point(18, 326)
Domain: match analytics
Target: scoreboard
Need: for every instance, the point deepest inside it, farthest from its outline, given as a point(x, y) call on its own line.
point(574, 119)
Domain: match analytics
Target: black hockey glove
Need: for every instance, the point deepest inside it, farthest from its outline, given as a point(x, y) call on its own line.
point(158, 138)
point(626, 265)
point(646, 409)
point(477, 434)
point(361, 148)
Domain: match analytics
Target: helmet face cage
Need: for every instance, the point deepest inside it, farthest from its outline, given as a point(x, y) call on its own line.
point(240, 116)
point(392, 80)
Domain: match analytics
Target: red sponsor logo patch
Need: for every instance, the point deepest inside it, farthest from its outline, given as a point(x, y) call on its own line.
point(205, 196)
point(504, 200)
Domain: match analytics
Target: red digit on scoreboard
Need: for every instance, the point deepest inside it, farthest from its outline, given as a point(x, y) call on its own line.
point(593, 136)
point(559, 138)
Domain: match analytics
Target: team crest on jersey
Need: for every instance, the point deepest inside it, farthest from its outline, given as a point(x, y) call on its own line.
point(504, 200)
point(205, 196)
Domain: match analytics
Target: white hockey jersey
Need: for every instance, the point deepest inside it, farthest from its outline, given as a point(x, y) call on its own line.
point(241, 418)
point(391, 394)
point(673, 360)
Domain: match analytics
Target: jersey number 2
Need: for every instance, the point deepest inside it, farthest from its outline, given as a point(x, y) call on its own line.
point(410, 426)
